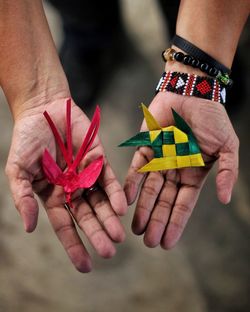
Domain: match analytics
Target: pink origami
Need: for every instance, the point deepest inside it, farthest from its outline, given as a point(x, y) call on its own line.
point(70, 179)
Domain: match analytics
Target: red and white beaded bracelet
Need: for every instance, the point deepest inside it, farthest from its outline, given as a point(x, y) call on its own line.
point(192, 85)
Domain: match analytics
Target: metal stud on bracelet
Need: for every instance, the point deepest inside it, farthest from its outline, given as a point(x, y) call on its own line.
point(172, 55)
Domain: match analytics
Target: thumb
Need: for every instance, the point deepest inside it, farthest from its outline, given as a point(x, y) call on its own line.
point(22, 193)
point(134, 179)
point(227, 172)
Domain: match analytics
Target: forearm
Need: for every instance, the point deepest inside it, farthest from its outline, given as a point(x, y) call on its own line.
point(29, 64)
point(214, 26)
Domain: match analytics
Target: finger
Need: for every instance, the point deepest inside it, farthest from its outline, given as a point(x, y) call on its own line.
point(134, 178)
point(91, 227)
point(22, 193)
point(163, 207)
point(113, 189)
point(227, 174)
point(149, 193)
point(99, 201)
point(185, 201)
point(65, 230)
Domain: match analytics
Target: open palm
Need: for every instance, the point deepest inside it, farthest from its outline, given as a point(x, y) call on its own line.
point(167, 198)
point(94, 212)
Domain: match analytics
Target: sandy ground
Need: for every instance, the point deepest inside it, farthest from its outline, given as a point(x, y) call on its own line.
point(209, 268)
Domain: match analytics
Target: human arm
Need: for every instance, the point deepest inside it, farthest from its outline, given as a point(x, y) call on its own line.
point(33, 81)
point(166, 200)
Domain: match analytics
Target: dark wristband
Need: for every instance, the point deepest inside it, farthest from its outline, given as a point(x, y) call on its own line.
point(191, 49)
point(171, 55)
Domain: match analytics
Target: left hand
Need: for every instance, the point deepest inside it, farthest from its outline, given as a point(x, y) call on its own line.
point(167, 198)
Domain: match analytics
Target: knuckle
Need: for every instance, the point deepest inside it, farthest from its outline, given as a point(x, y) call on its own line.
point(179, 220)
point(99, 204)
point(159, 221)
point(112, 188)
point(164, 204)
point(130, 182)
point(117, 191)
point(142, 207)
point(100, 242)
point(178, 224)
point(150, 188)
point(95, 232)
point(109, 182)
point(62, 229)
point(182, 209)
point(172, 177)
point(232, 143)
point(86, 217)
point(107, 218)
point(143, 152)
point(71, 247)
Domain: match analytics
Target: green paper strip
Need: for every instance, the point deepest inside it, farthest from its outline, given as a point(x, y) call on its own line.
point(157, 151)
point(168, 137)
point(158, 140)
point(182, 149)
point(141, 139)
point(193, 145)
point(181, 123)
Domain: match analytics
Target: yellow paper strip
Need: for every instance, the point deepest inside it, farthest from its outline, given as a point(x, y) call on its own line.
point(154, 134)
point(173, 162)
point(169, 150)
point(180, 136)
point(151, 122)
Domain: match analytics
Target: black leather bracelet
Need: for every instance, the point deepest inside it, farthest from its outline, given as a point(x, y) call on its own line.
point(171, 54)
point(194, 51)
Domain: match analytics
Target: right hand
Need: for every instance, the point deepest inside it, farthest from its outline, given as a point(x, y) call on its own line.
point(95, 213)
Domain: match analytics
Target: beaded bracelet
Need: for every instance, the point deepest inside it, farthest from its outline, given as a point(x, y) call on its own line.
point(192, 85)
point(196, 52)
point(171, 55)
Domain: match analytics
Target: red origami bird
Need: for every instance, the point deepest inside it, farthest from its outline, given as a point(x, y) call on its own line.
point(70, 179)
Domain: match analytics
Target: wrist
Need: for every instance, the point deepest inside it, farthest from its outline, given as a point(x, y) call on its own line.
point(30, 70)
point(213, 26)
point(37, 98)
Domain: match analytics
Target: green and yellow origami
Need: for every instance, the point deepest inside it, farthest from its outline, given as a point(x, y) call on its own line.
point(173, 146)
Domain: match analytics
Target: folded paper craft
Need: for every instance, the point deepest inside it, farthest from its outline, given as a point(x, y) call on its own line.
point(70, 179)
point(173, 146)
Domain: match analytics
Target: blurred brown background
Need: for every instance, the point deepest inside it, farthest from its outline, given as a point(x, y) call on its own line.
point(209, 268)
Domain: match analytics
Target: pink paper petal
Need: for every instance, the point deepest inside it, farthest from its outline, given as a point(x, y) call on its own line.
point(69, 137)
point(89, 138)
point(58, 138)
point(68, 199)
point(50, 168)
point(69, 179)
point(90, 174)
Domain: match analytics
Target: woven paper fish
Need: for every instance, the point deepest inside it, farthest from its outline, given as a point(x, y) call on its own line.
point(70, 179)
point(173, 146)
